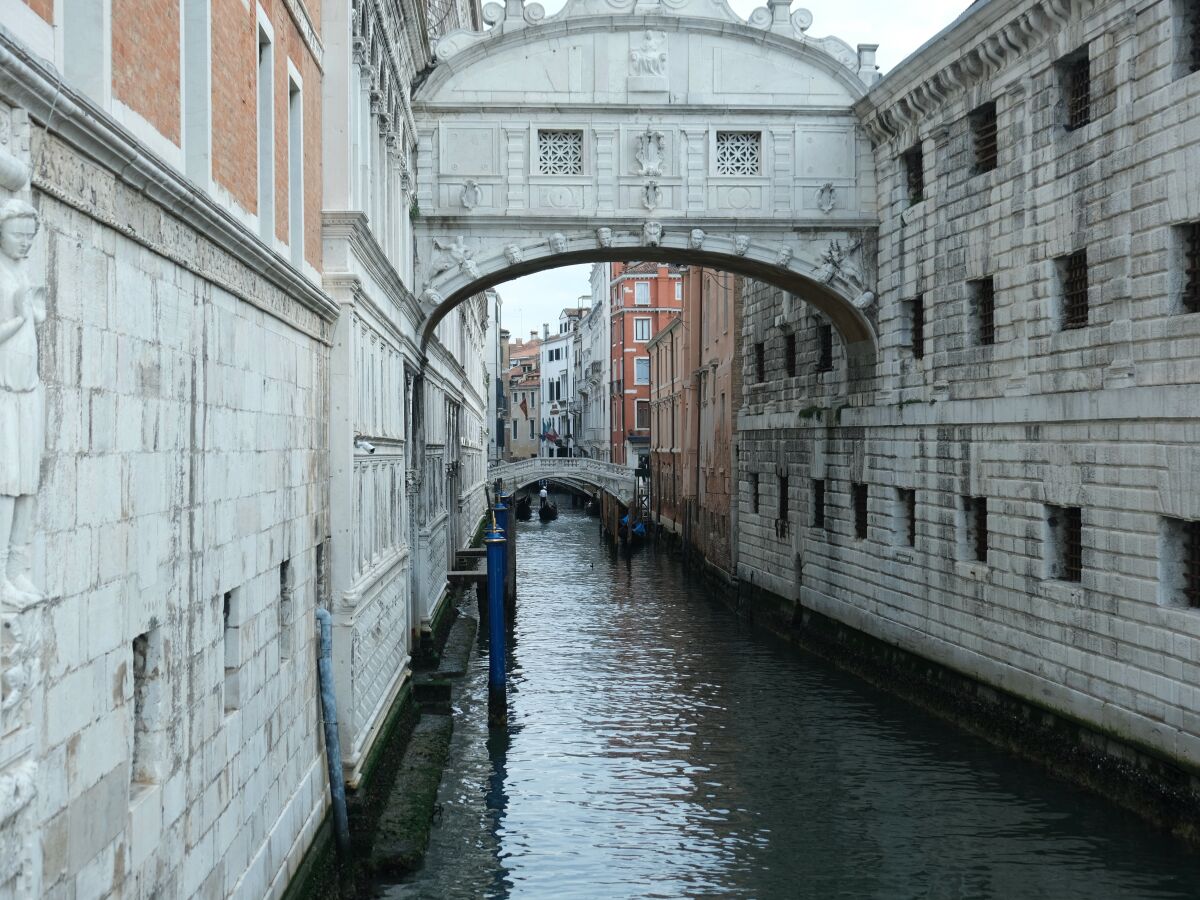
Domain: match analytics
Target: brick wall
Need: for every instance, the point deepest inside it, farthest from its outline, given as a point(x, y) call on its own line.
point(234, 109)
point(44, 8)
point(146, 61)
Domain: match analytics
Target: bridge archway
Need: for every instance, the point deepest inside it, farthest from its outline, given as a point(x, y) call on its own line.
point(649, 130)
point(616, 480)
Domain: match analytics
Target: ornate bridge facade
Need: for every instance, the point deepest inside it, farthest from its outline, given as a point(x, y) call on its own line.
point(582, 472)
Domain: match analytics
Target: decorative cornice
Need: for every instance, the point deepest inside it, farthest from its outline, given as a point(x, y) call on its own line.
point(354, 227)
point(909, 94)
point(299, 13)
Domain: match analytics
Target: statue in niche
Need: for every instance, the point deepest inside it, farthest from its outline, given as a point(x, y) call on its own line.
point(741, 244)
point(652, 234)
point(470, 195)
point(696, 239)
point(558, 242)
point(459, 253)
point(651, 195)
point(513, 254)
point(22, 402)
point(604, 237)
point(650, 152)
point(651, 57)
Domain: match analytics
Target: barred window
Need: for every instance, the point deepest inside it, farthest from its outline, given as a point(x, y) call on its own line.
point(760, 363)
point(906, 502)
point(975, 524)
point(1189, 243)
point(983, 135)
point(754, 492)
point(783, 498)
point(1179, 563)
point(1188, 19)
point(818, 503)
point(916, 325)
point(789, 354)
point(1073, 278)
point(914, 173)
point(824, 348)
point(983, 310)
point(1075, 77)
point(560, 152)
point(739, 153)
point(1064, 527)
point(858, 495)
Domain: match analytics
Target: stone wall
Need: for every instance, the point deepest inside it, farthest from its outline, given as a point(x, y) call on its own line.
point(1045, 419)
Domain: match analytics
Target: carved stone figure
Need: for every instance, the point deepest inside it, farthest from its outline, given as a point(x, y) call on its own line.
point(470, 196)
point(652, 234)
point(651, 57)
point(513, 254)
point(604, 237)
point(650, 152)
point(865, 300)
point(558, 242)
point(22, 402)
point(831, 262)
point(827, 197)
point(459, 253)
point(784, 257)
point(430, 297)
point(651, 195)
point(696, 238)
point(741, 243)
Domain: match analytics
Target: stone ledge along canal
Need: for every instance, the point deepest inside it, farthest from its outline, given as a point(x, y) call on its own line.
point(659, 748)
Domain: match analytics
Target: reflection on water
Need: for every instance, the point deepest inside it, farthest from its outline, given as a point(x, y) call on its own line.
point(659, 748)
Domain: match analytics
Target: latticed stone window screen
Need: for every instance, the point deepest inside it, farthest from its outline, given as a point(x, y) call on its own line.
point(739, 153)
point(560, 152)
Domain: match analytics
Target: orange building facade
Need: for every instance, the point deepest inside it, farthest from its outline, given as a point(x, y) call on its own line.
point(643, 299)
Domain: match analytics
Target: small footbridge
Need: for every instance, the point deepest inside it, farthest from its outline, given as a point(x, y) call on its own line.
point(578, 471)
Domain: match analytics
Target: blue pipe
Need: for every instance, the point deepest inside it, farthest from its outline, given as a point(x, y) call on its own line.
point(497, 689)
point(333, 746)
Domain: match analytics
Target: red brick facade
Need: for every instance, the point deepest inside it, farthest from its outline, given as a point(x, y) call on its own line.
point(44, 8)
point(148, 82)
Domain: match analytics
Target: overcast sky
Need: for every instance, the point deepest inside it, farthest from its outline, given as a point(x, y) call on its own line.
point(899, 27)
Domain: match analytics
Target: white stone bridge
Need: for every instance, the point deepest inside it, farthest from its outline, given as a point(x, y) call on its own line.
point(578, 471)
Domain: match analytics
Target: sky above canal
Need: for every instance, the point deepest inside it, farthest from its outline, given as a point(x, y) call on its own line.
point(899, 27)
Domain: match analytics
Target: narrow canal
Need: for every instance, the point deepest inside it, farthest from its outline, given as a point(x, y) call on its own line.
point(658, 748)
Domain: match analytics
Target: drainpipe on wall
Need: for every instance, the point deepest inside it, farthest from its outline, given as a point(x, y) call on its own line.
point(333, 747)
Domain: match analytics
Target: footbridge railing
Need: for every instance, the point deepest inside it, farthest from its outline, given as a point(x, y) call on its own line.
point(580, 471)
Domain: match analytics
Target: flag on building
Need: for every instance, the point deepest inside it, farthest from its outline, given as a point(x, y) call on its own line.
point(524, 406)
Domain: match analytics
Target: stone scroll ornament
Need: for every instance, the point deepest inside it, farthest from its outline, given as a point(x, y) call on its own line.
point(22, 402)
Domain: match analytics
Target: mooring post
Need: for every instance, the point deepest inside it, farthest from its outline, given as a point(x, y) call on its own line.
point(497, 690)
point(509, 524)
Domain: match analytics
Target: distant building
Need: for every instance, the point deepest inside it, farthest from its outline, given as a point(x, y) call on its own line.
point(496, 362)
point(594, 364)
point(558, 382)
point(643, 298)
point(524, 393)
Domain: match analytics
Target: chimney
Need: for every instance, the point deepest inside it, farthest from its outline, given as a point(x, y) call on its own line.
point(545, 331)
point(533, 334)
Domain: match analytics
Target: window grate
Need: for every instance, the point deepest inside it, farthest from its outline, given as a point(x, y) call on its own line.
point(1077, 90)
point(560, 152)
point(983, 126)
point(1075, 290)
point(985, 310)
point(789, 351)
point(1191, 251)
point(977, 510)
point(818, 495)
point(754, 492)
point(739, 152)
point(1191, 563)
point(760, 363)
point(783, 497)
point(858, 494)
point(824, 348)
point(1193, 26)
point(1072, 544)
point(908, 501)
point(917, 312)
point(914, 173)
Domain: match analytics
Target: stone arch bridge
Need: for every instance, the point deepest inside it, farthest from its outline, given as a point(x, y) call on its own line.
point(578, 471)
point(655, 130)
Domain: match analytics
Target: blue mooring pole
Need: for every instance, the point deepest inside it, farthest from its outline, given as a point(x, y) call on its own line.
point(497, 690)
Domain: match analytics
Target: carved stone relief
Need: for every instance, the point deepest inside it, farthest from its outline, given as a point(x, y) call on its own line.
point(470, 195)
point(650, 57)
point(696, 238)
point(650, 152)
point(513, 254)
point(459, 254)
point(784, 257)
point(652, 234)
point(604, 237)
point(651, 195)
point(741, 243)
point(827, 197)
point(558, 242)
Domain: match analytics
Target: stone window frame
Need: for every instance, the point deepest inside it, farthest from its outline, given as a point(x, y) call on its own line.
point(904, 517)
point(637, 300)
point(232, 619)
point(734, 132)
point(637, 361)
point(1179, 562)
point(1075, 89)
point(824, 347)
point(639, 417)
point(536, 130)
point(1073, 300)
point(790, 353)
point(754, 497)
point(820, 516)
point(915, 317)
point(983, 122)
point(760, 362)
point(912, 170)
point(860, 503)
point(1062, 539)
point(148, 668)
point(783, 509)
point(648, 331)
point(973, 532)
point(981, 296)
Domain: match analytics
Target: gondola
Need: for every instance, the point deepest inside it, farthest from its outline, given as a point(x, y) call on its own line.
point(524, 509)
point(548, 511)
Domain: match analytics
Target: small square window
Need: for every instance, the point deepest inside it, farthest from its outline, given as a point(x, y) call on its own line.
point(818, 504)
point(1075, 80)
point(913, 162)
point(739, 152)
point(789, 354)
point(1064, 543)
point(916, 326)
point(983, 137)
point(560, 152)
point(906, 517)
point(858, 496)
point(1179, 563)
point(1073, 288)
point(760, 363)
point(641, 293)
point(983, 310)
point(824, 348)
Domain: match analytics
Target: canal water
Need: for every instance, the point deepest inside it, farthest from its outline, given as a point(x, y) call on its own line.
point(659, 748)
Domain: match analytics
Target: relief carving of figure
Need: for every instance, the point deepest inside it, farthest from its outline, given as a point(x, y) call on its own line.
point(22, 402)
point(652, 234)
point(651, 57)
point(604, 237)
point(696, 239)
point(650, 152)
point(783, 257)
point(741, 243)
point(459, 253)
point(651, 195)
point(470, 195)
point(513, 254)
point(558, 242)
